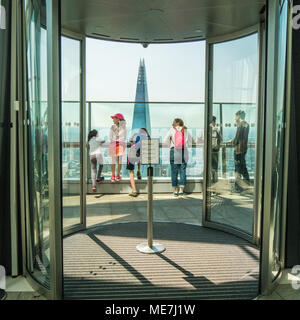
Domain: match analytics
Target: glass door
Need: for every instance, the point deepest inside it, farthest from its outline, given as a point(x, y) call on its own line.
point(73, 146)
point(232, 127)
point(42, 146)
point(38, 218)
point(277, 126)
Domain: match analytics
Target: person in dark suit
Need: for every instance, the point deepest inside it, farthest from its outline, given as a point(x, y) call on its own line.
point(240, 143)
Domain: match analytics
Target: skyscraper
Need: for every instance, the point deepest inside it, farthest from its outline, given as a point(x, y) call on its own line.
point(141, 115)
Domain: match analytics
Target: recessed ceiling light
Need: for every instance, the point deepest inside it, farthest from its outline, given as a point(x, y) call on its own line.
point(155, 12)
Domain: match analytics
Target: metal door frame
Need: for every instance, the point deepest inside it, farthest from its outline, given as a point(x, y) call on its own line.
point(268, 284)
point(14, 97)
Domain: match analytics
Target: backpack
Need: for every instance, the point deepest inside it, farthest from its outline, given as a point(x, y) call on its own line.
point(179, 139)
point(134, 152)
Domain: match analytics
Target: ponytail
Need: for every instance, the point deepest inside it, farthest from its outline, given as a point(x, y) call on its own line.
point(92, 134)
point(146, 131)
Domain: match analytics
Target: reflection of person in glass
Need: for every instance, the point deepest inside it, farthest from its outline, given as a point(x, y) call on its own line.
point(240, 143)
point(216, 140)
point(178, 140)
point(94, 143)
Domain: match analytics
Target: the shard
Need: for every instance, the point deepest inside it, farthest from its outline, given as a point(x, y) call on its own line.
point(141, 115)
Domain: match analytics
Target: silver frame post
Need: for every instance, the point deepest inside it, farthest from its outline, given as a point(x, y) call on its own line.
point(54, 101)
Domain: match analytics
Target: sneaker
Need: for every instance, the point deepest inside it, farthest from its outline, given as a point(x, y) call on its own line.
point(175, 194)
point(133, 194)
point(113, 179)
point(118, 178)
point(94, 190)
point(139, 176)
point(100, 180)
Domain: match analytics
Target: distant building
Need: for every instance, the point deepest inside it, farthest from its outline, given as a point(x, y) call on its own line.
point(141, 115)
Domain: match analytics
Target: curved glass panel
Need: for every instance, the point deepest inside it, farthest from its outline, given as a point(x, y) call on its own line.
point(71, 163)
point(277, 187)
point(38, 219)
point(153, 86)
point(232, 133)
point(112, 204)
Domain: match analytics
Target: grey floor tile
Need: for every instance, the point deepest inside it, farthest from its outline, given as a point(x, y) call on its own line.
point(286, 290)
point(273, 296)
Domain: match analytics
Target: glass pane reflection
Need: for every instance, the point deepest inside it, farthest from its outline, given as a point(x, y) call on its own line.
point(71, 130)
point(38, 233)
point(277, 186)
point(232, 134)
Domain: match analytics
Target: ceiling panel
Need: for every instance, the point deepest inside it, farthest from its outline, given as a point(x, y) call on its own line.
point(159, 20)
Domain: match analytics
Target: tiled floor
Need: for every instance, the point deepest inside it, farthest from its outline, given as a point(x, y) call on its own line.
point(24, 296)
point(285, 290)
point(20, 289)
point(230, 209)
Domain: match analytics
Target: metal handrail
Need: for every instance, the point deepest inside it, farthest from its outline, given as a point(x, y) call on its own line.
point(161, 102)
point(224, 145)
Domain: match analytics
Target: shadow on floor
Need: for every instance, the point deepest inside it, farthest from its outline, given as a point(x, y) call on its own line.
point(198, 264)
point(110, 209)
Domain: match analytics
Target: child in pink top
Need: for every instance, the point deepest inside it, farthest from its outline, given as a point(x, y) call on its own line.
point(117, 137)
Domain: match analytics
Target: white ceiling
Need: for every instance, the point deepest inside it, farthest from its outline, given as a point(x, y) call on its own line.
point(159, 20)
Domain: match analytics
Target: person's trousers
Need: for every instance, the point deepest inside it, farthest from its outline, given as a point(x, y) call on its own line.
point(178, 165)
point(214, 165)
point(240, 165)
point(94, 160)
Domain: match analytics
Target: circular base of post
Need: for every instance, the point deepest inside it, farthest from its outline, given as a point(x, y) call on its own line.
point(156, 248)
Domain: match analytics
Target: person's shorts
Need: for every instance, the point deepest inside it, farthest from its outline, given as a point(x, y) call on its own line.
point(130, 166)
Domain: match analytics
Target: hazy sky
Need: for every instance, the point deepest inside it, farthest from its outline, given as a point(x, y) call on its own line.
point(175, 72)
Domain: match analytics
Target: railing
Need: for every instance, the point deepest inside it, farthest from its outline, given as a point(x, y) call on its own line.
point(161, 116)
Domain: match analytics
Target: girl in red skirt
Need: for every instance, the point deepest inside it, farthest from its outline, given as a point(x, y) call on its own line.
point(117, 137)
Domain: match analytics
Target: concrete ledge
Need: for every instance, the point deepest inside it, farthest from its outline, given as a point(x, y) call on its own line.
point(72, 187)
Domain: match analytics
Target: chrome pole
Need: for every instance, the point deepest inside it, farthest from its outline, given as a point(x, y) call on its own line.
point(150, 207)
point(150, 247)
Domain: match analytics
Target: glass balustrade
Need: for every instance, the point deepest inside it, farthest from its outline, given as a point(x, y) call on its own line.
point(161, 117)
